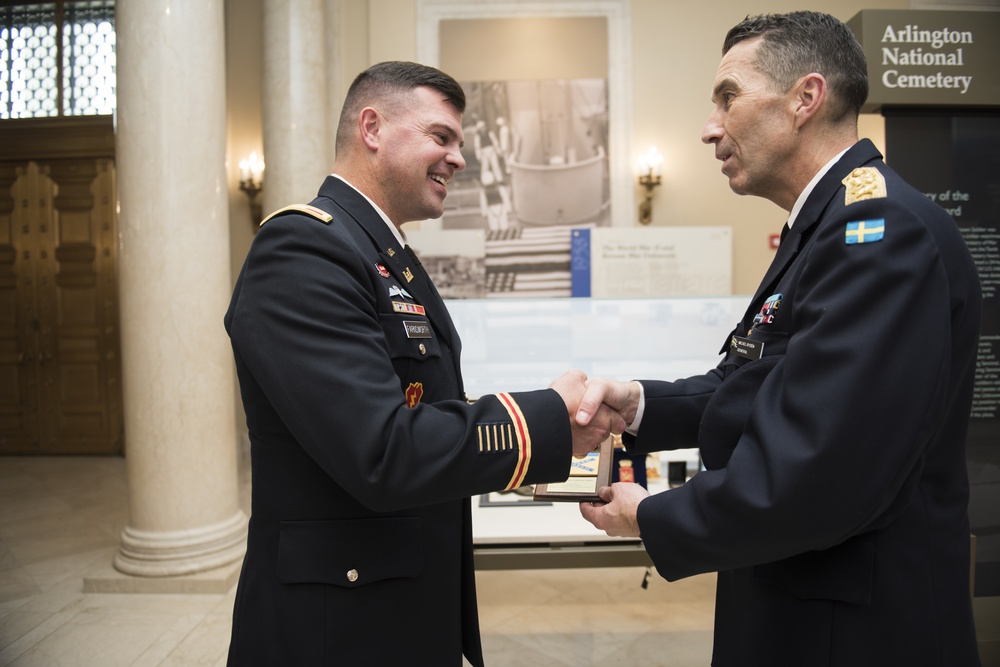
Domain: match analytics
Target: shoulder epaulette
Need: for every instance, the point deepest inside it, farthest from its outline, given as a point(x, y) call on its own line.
point(311, 211)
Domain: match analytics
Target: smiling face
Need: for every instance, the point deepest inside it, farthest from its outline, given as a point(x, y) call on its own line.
point(752, 127)
point(419, 152)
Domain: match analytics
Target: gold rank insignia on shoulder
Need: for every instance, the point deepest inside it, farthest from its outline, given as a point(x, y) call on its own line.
point(864, 183)
point(311, 211)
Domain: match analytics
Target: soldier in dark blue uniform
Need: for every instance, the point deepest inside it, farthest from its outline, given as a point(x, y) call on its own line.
point(835, 501)
point(364, 448)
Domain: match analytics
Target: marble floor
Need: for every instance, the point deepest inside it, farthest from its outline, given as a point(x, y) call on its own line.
point(60, 518)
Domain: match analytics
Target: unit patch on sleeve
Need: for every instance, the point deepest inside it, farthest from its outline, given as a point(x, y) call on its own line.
point(864, 231)
point(864, 183)
point(414, 393)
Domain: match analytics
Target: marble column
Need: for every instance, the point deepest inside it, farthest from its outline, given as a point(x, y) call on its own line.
point(174, 278)
point(298, 137)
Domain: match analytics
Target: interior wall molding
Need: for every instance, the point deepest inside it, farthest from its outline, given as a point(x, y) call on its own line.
point(430, 14)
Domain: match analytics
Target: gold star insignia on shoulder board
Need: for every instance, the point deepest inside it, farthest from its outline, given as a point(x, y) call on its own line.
point(864, 183)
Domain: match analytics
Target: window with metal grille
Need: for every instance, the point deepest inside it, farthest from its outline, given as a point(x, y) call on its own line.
point(57, 59)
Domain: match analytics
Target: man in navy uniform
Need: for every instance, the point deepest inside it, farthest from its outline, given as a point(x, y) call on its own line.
point(834, 505)
point(364, 449)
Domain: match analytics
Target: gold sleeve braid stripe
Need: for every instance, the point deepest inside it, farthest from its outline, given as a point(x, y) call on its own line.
point(495, 437)
point(523, 440)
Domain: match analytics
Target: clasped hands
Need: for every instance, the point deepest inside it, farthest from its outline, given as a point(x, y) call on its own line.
point(598, 407)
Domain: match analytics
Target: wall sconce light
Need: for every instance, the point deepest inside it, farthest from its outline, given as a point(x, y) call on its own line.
point(252, 182)
point(649, 178)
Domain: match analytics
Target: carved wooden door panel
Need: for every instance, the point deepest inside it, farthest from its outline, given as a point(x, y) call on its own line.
point(59, 349)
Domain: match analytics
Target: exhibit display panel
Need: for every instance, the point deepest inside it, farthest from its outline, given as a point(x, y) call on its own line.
point(524, 344)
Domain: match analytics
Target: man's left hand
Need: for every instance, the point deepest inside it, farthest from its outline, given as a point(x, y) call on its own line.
point(616, 514)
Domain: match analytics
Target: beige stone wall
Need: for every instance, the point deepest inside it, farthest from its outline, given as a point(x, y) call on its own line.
point(675, 49)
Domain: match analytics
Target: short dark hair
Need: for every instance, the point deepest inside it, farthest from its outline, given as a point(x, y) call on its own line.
point(798, 43)
point(380, 83)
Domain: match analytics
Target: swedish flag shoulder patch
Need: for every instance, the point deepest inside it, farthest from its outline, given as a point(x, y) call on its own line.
point(311, 211)
point(864, 231)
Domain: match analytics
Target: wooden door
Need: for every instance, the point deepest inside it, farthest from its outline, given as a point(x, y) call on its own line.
point(60, 372)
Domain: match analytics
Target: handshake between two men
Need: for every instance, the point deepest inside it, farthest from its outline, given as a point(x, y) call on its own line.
point(598, 407)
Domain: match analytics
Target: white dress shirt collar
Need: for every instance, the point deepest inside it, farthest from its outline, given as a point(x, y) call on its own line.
point(395, 230)
point(804, 195)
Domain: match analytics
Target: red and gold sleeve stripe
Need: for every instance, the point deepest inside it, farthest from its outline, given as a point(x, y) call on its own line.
point(523, 440)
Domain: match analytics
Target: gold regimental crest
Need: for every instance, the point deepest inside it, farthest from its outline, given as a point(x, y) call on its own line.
point(864, 183)
point(408, 274)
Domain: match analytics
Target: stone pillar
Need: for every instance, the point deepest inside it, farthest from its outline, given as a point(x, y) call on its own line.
point(298, 146)
point(174, 290)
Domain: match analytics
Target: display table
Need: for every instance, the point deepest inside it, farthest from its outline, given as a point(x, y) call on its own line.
point(538, 536)
point(524, 344)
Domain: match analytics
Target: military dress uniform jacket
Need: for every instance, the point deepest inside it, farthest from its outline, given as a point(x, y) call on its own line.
point(834, 504)
point(364, 452)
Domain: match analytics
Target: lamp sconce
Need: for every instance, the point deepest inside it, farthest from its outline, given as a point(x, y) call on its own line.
point(649, 178)
point(252, 182)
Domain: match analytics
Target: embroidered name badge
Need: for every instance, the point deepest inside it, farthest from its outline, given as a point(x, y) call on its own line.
point(417, 329)
point(864, 231)
point(414, 393)
point(746, 347)
point(402, 307)
point(864, 183)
